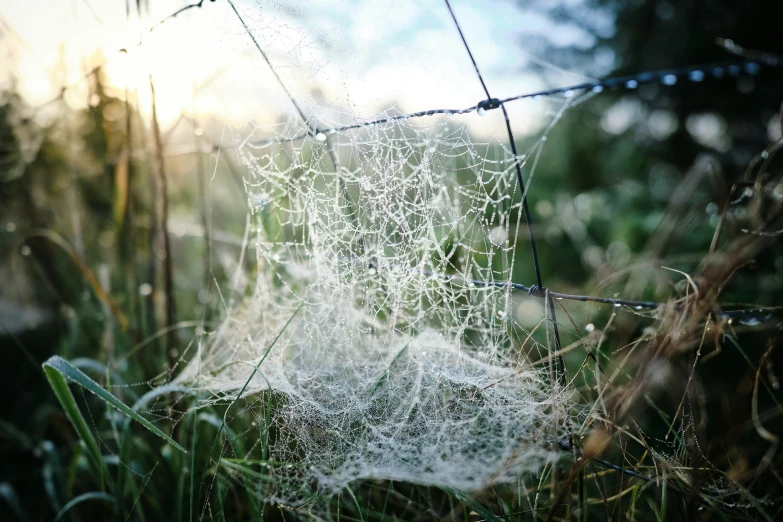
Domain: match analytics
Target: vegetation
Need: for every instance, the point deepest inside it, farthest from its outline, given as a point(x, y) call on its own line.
point(112, 267)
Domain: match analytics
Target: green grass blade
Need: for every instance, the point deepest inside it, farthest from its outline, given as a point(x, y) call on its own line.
point(93, 495)
point(356, 501)
point(246, 471)
point(473, 504)
point(239, 395)
point(68, 402)
point(58, 366)
point(8, 493)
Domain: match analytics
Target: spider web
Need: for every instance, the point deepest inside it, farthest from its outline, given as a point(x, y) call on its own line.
point(366, 343)
point(379, 339)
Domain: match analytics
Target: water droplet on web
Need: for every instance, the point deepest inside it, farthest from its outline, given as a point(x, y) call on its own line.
point(752, 68)
point(543, 138)
point(734, 70)
point(589, 327)
point(25, 250)
point(764, 154)
point(638, 307)
point(320, 136)
point(372, 271)
point(481, 111)
point(331, 131)
point(719, 72)
point(569, 93)
point(617, 305)
point(669, 79)
point(598, 88)
point(632, 84)
point(696, 76)
point(432, 149)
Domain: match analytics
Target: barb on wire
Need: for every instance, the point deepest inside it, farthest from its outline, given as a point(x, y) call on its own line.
point(667, 77)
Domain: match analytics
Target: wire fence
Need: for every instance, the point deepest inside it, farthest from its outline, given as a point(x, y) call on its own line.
point(666, 77)
point(750, 63)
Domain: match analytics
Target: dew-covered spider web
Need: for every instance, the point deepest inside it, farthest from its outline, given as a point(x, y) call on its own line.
point(396, 366)
point(364, 342)
point(374, 336)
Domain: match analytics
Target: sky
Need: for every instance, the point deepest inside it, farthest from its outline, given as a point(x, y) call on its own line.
point(339, 59)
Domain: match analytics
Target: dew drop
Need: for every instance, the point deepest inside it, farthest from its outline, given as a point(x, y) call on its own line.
point(320, 136)
point(569, 93)
point(696, 76)
point(734, 70)
point(25, 250)
point(632, 84)
point(719, 72)
point(752, 68)
point(598, 88)
point(372, 271)
point(638, 307)
point(543, 138)
point(617, 305)
point(764, 154)
point(589, 327)
point(669, 79)
point(481, 111)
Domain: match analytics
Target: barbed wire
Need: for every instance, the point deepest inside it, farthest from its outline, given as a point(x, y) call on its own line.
point(750, 317)
point(751, 64)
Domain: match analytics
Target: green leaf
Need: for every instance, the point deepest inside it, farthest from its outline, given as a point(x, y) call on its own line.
point(93, 495)
point(246, 471)
point(67, 401)
point(57, 369)
point(473, 504)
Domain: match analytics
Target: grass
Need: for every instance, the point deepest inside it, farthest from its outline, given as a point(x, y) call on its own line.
point(682, 411)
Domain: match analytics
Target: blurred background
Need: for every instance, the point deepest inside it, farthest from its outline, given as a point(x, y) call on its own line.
point(123, 206)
